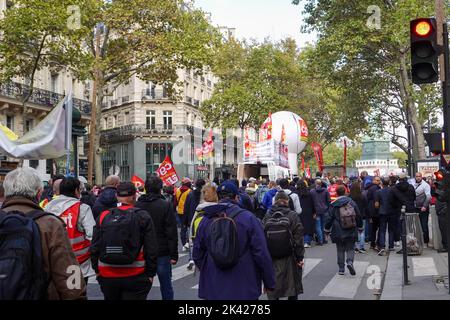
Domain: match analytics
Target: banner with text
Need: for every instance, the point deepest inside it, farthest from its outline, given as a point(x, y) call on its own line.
point(167, 173)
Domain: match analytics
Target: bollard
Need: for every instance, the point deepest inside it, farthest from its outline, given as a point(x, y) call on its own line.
point(404, 248)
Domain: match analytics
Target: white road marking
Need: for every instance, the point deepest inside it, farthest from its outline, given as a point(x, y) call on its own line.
point(310, 263)
point(424, 267)
point(345, 286)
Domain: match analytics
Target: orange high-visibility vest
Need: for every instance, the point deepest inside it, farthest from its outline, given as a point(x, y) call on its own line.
point(80, 245)
point(121, 271)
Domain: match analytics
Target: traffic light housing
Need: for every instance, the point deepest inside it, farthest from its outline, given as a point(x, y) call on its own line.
point(424, 51)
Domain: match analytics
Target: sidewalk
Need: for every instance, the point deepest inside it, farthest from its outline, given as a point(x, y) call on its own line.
point(426, 274)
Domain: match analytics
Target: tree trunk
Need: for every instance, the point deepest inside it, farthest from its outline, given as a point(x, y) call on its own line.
point(97, 149)
point(411, 111)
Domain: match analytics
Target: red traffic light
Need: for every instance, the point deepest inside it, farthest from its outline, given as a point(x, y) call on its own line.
point(423, 28)
point(439, 175)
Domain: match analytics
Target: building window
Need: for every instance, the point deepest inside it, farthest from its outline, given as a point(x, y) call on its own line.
point(10, 122)
point(151, 119)
point(28, 125)
point(167, 117)
point(54, 83)
point(155, 154)
point(34, 164)
point(126, 118)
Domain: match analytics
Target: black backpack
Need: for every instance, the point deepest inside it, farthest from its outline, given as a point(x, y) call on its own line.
point(120, 236)
point(223, 240)
point(278, 235)
point(22, 275)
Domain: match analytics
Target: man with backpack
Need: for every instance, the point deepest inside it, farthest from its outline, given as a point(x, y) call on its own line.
point(78, 219)
point(343, 223)
point(124, 249)
point(231, 252)
point(166, 231)
point(284, 236)
point(47, 269)
point(387, 216)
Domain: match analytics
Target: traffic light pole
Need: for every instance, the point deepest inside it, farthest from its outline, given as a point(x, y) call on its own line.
point(446, 113)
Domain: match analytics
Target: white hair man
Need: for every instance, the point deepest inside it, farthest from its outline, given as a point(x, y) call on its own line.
point(23, 188)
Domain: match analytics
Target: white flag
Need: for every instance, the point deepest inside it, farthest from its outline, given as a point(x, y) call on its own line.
point(45, 141)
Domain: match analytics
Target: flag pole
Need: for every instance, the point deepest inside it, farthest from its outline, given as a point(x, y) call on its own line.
point(68, 135)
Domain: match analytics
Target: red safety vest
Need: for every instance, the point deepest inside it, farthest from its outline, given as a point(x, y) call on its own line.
point(121, 271)
point(80, 245)
point(332, 192)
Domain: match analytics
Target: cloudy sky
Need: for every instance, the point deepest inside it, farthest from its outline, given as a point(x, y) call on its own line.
point(258, 19)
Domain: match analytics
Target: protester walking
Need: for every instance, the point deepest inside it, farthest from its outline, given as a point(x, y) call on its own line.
point(78, 219)
point(374, 216)
point(180, 199)
point(236, 270)
point(383, 199)
point(107, 198)
point(423, 197)
point(124, 250)
point(308, 212)
point(322, 201)
point(344, 223)
point(166, 233)
point(284, 236)
point(358, 198)
point(52, 253)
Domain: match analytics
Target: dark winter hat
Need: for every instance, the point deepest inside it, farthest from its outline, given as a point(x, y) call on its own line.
point(126, 189)
point(228, 187)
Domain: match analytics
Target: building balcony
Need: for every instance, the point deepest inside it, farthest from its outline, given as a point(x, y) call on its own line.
point(155, 94)
point(41, 97)
point(196, 103)
point(130, 132)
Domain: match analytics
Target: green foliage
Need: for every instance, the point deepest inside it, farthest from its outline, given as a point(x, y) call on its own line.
point(335, 154)
point(402, 157)
point(364, 64)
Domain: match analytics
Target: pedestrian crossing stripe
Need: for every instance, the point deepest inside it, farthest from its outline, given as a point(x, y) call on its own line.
point(310, 264)
point(345, 286)
point(424, 267)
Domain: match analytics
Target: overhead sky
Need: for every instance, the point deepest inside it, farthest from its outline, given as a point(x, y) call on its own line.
point(258, 19)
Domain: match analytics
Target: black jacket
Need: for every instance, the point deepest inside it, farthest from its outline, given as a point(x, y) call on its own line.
point(88, 198)
point(441, 208)
point(371, 192)
point(333, 223)
point(149, 243)
point(165, 223)
point(361, 202)
point(106, 200)
point(403, 194)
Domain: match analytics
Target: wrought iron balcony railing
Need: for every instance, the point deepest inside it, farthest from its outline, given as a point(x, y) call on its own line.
point(40, 96)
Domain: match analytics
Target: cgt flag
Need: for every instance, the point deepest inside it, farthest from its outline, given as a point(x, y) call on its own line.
point(167, 173)
point(138, 182)
point(319, 156)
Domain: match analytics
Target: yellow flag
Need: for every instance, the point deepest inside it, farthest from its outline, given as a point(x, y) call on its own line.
point(11, 135)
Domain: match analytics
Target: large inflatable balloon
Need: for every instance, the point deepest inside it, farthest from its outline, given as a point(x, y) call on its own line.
point(296, 135)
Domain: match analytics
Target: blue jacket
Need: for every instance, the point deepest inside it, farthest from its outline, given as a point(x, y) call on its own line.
point(321, 199)
point(384, 198)
point(106, 200)
point(245, 201)
point(268, 198)
point(244, 281)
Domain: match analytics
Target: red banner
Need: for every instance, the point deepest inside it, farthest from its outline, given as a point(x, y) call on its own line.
point(345, 159)
point(308, 172)
point(265, 132)
point(319, 156)
point(303, 164)
point(138, 182)
point(303, 130)
point(207, 148)
point(167, 173)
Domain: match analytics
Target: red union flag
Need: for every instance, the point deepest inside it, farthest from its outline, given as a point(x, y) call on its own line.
point(319, 156)
point(138, 182)
point(167, 173)
point(303, 130)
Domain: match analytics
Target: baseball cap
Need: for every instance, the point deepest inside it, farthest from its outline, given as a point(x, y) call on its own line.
point(228, 187)
point(126, 189)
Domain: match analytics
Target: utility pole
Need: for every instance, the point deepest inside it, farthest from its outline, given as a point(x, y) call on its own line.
point(93, 126)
